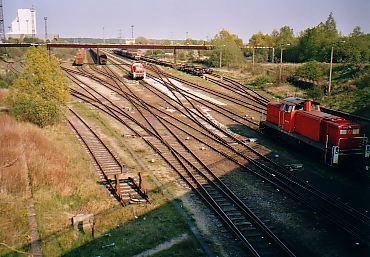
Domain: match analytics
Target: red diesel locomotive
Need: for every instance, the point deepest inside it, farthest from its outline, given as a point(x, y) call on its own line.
point(80, 58)
point(301, 120)
point(137, 71)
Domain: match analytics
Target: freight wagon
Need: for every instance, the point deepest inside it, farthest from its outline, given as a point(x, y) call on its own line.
point(131, 54)
point(301, 121)
point(98, 59)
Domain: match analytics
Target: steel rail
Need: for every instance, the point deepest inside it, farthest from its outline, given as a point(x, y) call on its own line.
point(108, 181)
point(233, 197)
point(347, 227)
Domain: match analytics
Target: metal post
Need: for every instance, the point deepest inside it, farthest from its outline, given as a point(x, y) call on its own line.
point(253, 56)
point(326, 148)
point(174, 56)
point(281, 64)
point(97, 56)
point(273, 55)
point(27, 26)
point(103, 35)
point(331, 69)
point(46, 28)
point(33, 22)
point(220, 58)
point(19, 27)
point(120, 36)
point(118, 185)
point(2, 29)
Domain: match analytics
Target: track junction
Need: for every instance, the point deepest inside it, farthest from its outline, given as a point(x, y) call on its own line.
point(186, 124)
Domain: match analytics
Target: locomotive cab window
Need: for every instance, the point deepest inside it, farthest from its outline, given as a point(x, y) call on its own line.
point(288, 108)
point(315, 106)
point(299, 107)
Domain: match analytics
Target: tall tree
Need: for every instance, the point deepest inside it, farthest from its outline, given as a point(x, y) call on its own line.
point(261, 39)
point(356, 32)
point(331, 26)
point(285, 36)
point(227, 48)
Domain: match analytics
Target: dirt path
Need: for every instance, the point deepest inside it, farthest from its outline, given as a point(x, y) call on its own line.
point(165, 245)
point(35, 237)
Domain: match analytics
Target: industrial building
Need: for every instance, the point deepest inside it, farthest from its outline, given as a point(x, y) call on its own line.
point(24, 25)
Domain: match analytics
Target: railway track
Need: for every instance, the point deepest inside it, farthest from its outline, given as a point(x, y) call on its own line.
point(230, 113)
point(225, 82)
point(334, 211)
point(109, 168)
point(250, 230)
point(252, 95)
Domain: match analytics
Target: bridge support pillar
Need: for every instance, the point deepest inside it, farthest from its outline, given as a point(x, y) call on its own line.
point(174, 55)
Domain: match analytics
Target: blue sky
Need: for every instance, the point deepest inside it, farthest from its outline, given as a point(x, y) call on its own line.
point(201, 19)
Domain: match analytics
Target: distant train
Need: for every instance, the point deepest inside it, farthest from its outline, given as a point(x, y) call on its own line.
point(301, 121)
point(196, 70)
point(79, 58)
point(102, 59)
point(131, 54)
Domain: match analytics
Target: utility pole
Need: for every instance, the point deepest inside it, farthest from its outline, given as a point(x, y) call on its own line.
point(33, 22)
point(120, 35)
point(27, 27)
point(46, 28)
point(253, 51)
point(222, 48)
point(221, 58)
point(2, 29)
point(103, 36)
point(281, 62)
point(19, 27)
point(132, 31)
point(331, 68)
point(174, 56)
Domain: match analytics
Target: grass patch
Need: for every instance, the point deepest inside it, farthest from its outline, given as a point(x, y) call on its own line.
point(64, 54)
point(86, 112)
point(133, 229)
point(151, 227)
point(14, 229)
point(281, 91)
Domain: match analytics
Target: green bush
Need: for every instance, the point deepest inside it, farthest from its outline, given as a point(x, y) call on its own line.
point(36, 110)
point(7, 79)
point(3, 84)
point(363, 81)
point(315, 93)
point(311, 70)
point(41, 89)
point(262, 80)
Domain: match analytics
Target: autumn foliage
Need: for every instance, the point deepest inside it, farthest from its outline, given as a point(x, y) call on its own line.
point(41, 90)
